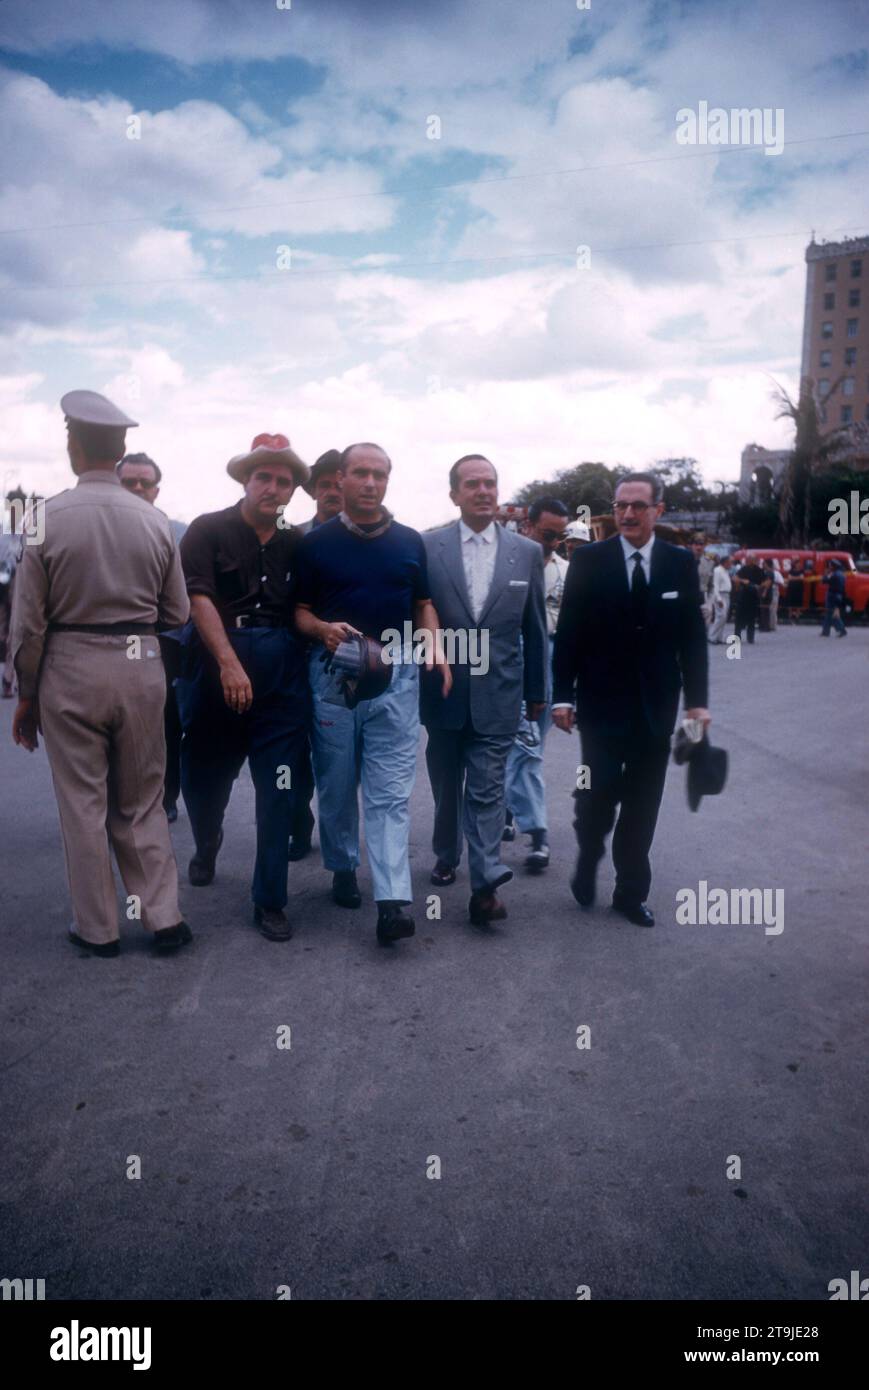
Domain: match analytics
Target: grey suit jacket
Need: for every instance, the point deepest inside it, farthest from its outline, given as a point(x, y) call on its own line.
point(513, 616)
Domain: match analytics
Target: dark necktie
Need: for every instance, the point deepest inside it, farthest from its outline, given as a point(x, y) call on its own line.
point(639, 590)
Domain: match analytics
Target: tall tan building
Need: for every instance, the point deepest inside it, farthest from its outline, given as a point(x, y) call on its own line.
point(836, 334)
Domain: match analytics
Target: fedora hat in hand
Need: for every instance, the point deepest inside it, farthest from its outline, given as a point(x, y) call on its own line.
point(707, 767)
point(268, 448)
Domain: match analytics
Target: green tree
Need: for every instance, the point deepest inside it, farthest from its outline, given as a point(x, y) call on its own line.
point(587, 485)
point(684, 489)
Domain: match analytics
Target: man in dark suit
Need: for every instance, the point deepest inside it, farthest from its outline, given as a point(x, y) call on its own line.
point(630, 636)
point(487, 586)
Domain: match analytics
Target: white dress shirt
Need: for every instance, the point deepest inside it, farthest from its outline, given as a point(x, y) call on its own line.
point(721, 583)
point(479, 551)
point(631, 550)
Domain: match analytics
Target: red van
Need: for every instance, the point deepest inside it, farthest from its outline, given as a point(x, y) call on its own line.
point(814, 588)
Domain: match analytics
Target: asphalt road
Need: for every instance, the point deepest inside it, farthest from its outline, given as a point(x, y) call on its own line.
point(606, 1167)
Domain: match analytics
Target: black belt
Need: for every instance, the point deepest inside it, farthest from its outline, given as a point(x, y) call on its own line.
point(255, 620)
point(107, 629)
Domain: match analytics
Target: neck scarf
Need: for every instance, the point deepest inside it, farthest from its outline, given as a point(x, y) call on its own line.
point(369, 533)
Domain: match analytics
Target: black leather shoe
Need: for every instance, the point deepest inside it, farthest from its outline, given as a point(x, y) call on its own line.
point(300, 848)
point(200, 870)
point(170, 938)
point(96, 948)
point(537, 858)
point(442, 875)
point(583, 883)
point(638, 913)
point(273, 923)
point(345, 889)
point(392, 923)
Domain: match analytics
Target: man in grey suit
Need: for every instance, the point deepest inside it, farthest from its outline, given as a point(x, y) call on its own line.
point(487, 586)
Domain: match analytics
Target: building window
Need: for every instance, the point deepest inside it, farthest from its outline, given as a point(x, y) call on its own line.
point(827, 328)
point(853, 299)
point(850, 357)
point(829, 301)
point(847, 415)
point(851, 328)
point(822, 415)
point(824, 386)
point(856, 269)
point(830, 272)
point(848, 386)
point(827, 357)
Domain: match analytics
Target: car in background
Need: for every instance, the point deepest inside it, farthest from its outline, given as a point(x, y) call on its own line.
point(814, 589)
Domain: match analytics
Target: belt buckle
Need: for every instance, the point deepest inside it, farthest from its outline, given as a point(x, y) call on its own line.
point(241, 620)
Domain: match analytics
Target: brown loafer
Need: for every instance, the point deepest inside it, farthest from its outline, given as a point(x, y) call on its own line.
point(485, 907)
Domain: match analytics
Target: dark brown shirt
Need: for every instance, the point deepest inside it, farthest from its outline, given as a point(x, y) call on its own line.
point(224, 560)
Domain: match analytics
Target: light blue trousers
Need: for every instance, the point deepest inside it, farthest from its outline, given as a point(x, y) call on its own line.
point(525, 790)
point(373, 745)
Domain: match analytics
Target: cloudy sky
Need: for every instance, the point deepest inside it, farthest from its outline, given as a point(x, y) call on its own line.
point(359, 219)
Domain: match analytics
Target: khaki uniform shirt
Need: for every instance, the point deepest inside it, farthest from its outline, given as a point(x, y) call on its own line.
point(106, 557)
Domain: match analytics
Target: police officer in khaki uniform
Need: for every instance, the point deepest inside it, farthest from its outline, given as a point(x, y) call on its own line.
point(90, 678)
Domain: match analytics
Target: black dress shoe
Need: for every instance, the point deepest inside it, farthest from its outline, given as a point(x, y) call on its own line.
point(442, 875)
point(638, 913)
point(392, 923)
point(170, 938)
point(96, 948)
point(200, 870)
point(345, 889)
point(583, 883)
point(538, 857)
point(273, 923)
point(300, 848)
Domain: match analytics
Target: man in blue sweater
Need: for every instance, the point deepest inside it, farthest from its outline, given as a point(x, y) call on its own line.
point(365, 573)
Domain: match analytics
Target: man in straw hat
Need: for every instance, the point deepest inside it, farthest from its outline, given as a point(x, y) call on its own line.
point(87, 602)
point(244, 693)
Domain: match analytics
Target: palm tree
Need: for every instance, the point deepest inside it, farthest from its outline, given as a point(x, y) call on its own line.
point(811, 452)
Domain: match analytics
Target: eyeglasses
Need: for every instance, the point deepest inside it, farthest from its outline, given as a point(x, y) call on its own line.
point(621, 507)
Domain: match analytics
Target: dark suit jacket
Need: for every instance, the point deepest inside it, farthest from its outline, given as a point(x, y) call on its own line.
point(514, 619)
point(617, 675)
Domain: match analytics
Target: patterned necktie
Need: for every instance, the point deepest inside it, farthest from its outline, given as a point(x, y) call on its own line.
point(639, 590)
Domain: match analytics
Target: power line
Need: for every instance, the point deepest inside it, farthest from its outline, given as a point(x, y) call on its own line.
point(428, 189)
point(290, 274)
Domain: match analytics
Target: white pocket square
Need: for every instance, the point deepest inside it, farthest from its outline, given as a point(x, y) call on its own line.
point(674, 593)
point(518, 583)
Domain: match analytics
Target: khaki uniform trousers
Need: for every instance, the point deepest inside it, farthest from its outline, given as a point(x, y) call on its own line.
point(102, 718)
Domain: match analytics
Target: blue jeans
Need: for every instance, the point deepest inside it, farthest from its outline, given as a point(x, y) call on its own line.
point(525, 787)
point(832, 617)
point(271, 734)
point(373, 745)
